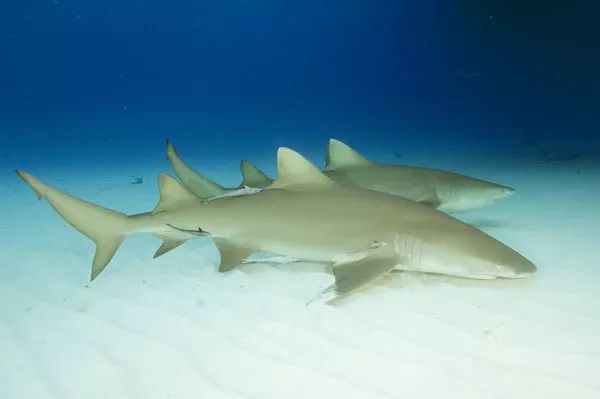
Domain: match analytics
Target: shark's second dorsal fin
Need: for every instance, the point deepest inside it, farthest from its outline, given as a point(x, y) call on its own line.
point(172, 193)
point(296, 172)
point(340, 155)
point(252, 176)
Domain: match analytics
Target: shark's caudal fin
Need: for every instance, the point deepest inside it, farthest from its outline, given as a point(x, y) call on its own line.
point(294, 172)
point(108, 228)
point(340, 155)
point(253, 177)
point(105, 227)
point(192, 180)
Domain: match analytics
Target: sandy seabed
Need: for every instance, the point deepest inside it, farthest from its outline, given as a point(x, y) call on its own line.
point(174, 328)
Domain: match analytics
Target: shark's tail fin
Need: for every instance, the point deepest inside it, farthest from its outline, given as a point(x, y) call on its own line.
point(192, 180)
point(253, 177)
point(107, 228)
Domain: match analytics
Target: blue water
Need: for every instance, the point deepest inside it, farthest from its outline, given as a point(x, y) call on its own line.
point(508, 91)
point(107, 82)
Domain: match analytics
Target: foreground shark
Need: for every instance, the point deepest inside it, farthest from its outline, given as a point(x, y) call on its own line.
point(446, 191)
point(302, 214)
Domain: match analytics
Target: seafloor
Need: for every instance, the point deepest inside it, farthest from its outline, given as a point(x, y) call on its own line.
point(174, 328)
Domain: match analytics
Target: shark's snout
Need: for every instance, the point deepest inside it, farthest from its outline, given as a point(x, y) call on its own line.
point(500, 192)
point(519, 267)
point(507, 190)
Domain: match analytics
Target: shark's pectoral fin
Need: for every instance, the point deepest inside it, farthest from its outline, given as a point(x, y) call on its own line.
point(167, 246)
point(232, 253)
point(353, 275)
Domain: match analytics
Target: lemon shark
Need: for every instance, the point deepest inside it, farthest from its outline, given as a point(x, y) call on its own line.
point(446, 191)
point(364, 234)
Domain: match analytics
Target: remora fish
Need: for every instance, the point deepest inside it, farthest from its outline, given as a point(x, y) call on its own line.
point(303, 214)
point(446, 191)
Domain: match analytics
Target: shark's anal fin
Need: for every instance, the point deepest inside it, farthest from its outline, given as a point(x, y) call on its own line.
point(167, 245)
point(351, 276)
point(105, 250)
point(252, 176)
point(232, 253)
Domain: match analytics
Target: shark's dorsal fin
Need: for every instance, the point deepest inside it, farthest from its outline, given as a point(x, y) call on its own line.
point(172, 193)
point(253, 177)
point(340, 155)
point(192, 180)
point(296, 172)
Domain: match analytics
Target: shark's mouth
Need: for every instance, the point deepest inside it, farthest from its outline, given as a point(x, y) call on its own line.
point(480, 276)
point(509, 275)
point(476, 276)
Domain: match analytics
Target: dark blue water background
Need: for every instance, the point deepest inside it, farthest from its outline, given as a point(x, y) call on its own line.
point(105, 82)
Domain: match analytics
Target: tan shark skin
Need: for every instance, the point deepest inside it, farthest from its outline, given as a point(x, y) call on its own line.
point(303, 214)
point(446, 191)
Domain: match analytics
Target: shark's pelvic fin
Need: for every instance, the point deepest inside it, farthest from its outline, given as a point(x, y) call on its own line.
point(252, 176)
point(294, 172)
point(232, 253)
point(105, 227)
point(194, 181)
point(351, 276)
point(340, 155)
point(172, 194)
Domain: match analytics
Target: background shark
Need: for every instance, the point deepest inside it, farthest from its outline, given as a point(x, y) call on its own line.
point(446, 191)
point(303, 213)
